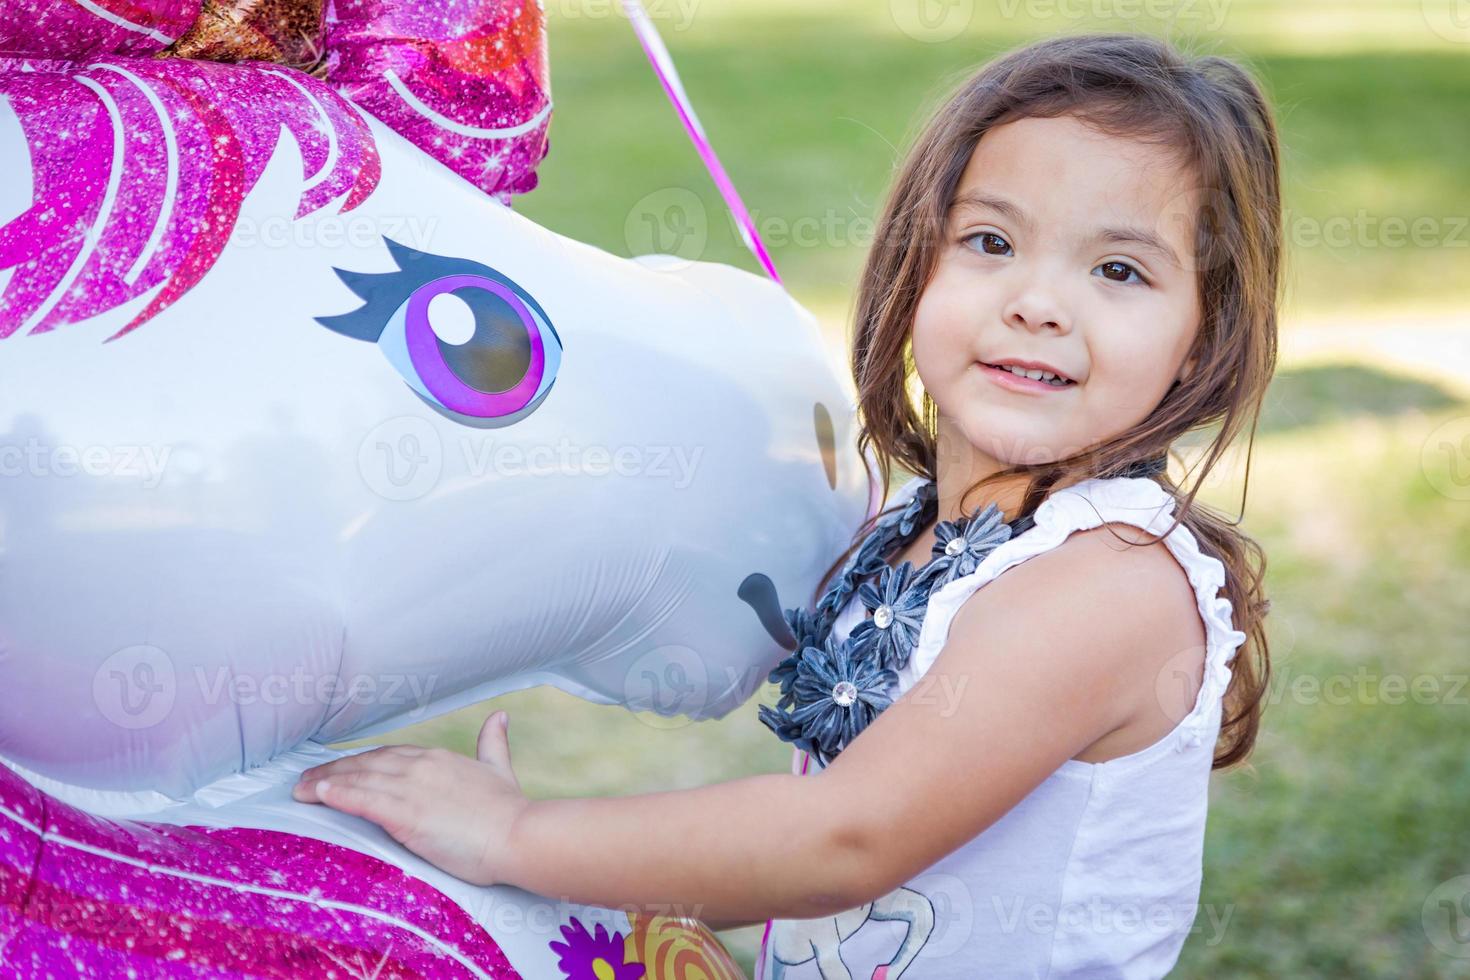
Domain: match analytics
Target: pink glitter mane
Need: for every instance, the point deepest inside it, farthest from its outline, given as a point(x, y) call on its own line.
point(140, 167)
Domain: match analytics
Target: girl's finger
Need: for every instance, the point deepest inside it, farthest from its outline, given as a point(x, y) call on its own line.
point(382, 784)
point(376, 760)
point(493, 745)
point(360, 799)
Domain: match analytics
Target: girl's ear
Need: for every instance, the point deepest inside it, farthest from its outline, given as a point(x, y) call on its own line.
point(1187, 370)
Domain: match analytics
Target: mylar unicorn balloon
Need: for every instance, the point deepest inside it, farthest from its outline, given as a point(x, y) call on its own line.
point(309, 437)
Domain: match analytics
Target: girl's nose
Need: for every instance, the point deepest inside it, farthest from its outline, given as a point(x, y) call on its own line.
point(1037, 308)
point(1035, 313)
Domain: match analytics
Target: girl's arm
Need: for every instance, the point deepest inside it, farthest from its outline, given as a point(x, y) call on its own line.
point(731, 853)
point(1040, 664)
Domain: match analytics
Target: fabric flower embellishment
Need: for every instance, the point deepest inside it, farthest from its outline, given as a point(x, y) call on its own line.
point(839, 691)
point(784, 675)
point(960, 548)
point(924, 494)
point(898, 604)
point(804, 625)
point(866, 560)
point(806, 628)
point(778, 719)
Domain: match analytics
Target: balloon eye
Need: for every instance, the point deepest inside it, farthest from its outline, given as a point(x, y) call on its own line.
point(469, 340)
point(471, 344)
point(452, 319)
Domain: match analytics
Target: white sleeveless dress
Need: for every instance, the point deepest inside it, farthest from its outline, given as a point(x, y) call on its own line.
point(1096, 873)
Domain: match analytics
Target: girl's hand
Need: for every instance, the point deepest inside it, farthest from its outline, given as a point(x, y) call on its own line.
point(453, 811)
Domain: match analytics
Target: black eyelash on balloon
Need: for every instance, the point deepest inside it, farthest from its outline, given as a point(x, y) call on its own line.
point(383, 293)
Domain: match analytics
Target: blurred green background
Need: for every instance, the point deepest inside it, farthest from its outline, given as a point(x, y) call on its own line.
point(1337, 851)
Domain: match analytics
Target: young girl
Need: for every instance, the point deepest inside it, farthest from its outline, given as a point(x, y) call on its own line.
point(1080, 262)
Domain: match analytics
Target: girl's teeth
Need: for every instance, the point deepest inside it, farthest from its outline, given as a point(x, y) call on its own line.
point(1035, 375)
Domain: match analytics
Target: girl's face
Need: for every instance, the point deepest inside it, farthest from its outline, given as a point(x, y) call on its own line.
point(1071, 249)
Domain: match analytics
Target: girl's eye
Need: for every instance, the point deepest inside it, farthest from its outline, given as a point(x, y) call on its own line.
point(1123, 269)
point(990, 243)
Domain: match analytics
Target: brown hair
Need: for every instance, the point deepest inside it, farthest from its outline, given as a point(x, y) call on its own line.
point(1214, 114)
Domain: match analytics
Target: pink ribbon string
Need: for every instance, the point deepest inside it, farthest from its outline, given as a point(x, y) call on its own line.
point(668, 76)
point(663, 67)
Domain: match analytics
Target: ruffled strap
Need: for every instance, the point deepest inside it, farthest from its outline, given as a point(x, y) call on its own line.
point(1137, 501)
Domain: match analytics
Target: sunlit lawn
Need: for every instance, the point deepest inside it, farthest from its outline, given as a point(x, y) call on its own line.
point(809, 106)
point(1324, 852)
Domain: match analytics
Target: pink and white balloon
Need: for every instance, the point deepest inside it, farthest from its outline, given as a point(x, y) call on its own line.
point(306, 435)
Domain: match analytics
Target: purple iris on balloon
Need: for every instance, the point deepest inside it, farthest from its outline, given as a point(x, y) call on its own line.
point(466, 338)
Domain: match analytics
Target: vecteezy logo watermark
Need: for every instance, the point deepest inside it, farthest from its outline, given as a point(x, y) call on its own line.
point(1208, 14)
point(679, 14)
point(1445, 458)
point(138, 686)
point(567, 458)
point(1364, 230)
point(1449, 19)
point(1446, 917)
point(670, 221)
point(135, 687)
point(224, 684)
point(932, 21)
point(666, 686)
point(332, 231)
point(404, 459)
point(953, 909)
point(401, 459)
point(1367, 687)
point(510, 911)
point(1101, 916)
point(36, 458)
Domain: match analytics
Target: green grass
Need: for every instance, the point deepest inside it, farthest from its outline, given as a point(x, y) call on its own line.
point(1325, 850)
point(810, 112)
point(1352, 810)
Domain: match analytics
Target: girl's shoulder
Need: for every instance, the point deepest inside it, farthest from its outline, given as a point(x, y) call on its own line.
point(1121, 531)
point(1094, 576)
point(1108, 526)
point(1118, 601)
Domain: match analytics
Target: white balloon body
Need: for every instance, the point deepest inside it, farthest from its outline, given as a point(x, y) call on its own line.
point(234, 531)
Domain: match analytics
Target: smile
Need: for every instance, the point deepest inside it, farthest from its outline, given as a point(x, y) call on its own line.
point(1008, 378)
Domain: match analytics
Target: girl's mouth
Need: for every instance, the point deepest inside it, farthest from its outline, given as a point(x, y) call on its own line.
point(1007, 378)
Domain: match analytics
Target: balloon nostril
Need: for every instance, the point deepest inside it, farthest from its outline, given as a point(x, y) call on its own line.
point(759, 593)
point(826, 441)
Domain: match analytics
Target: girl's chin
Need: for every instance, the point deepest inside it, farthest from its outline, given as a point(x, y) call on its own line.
point(1011, 447)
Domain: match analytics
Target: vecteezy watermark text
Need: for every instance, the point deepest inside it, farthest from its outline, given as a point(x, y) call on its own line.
point(567, 458)
point(40, 459)
point(405, 457)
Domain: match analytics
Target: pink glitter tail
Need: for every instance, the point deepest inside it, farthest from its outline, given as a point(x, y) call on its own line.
point(88, 897)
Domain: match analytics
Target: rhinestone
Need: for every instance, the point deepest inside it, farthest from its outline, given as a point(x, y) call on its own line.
point(845, 693)
point(883, 616)
point(955, 546)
